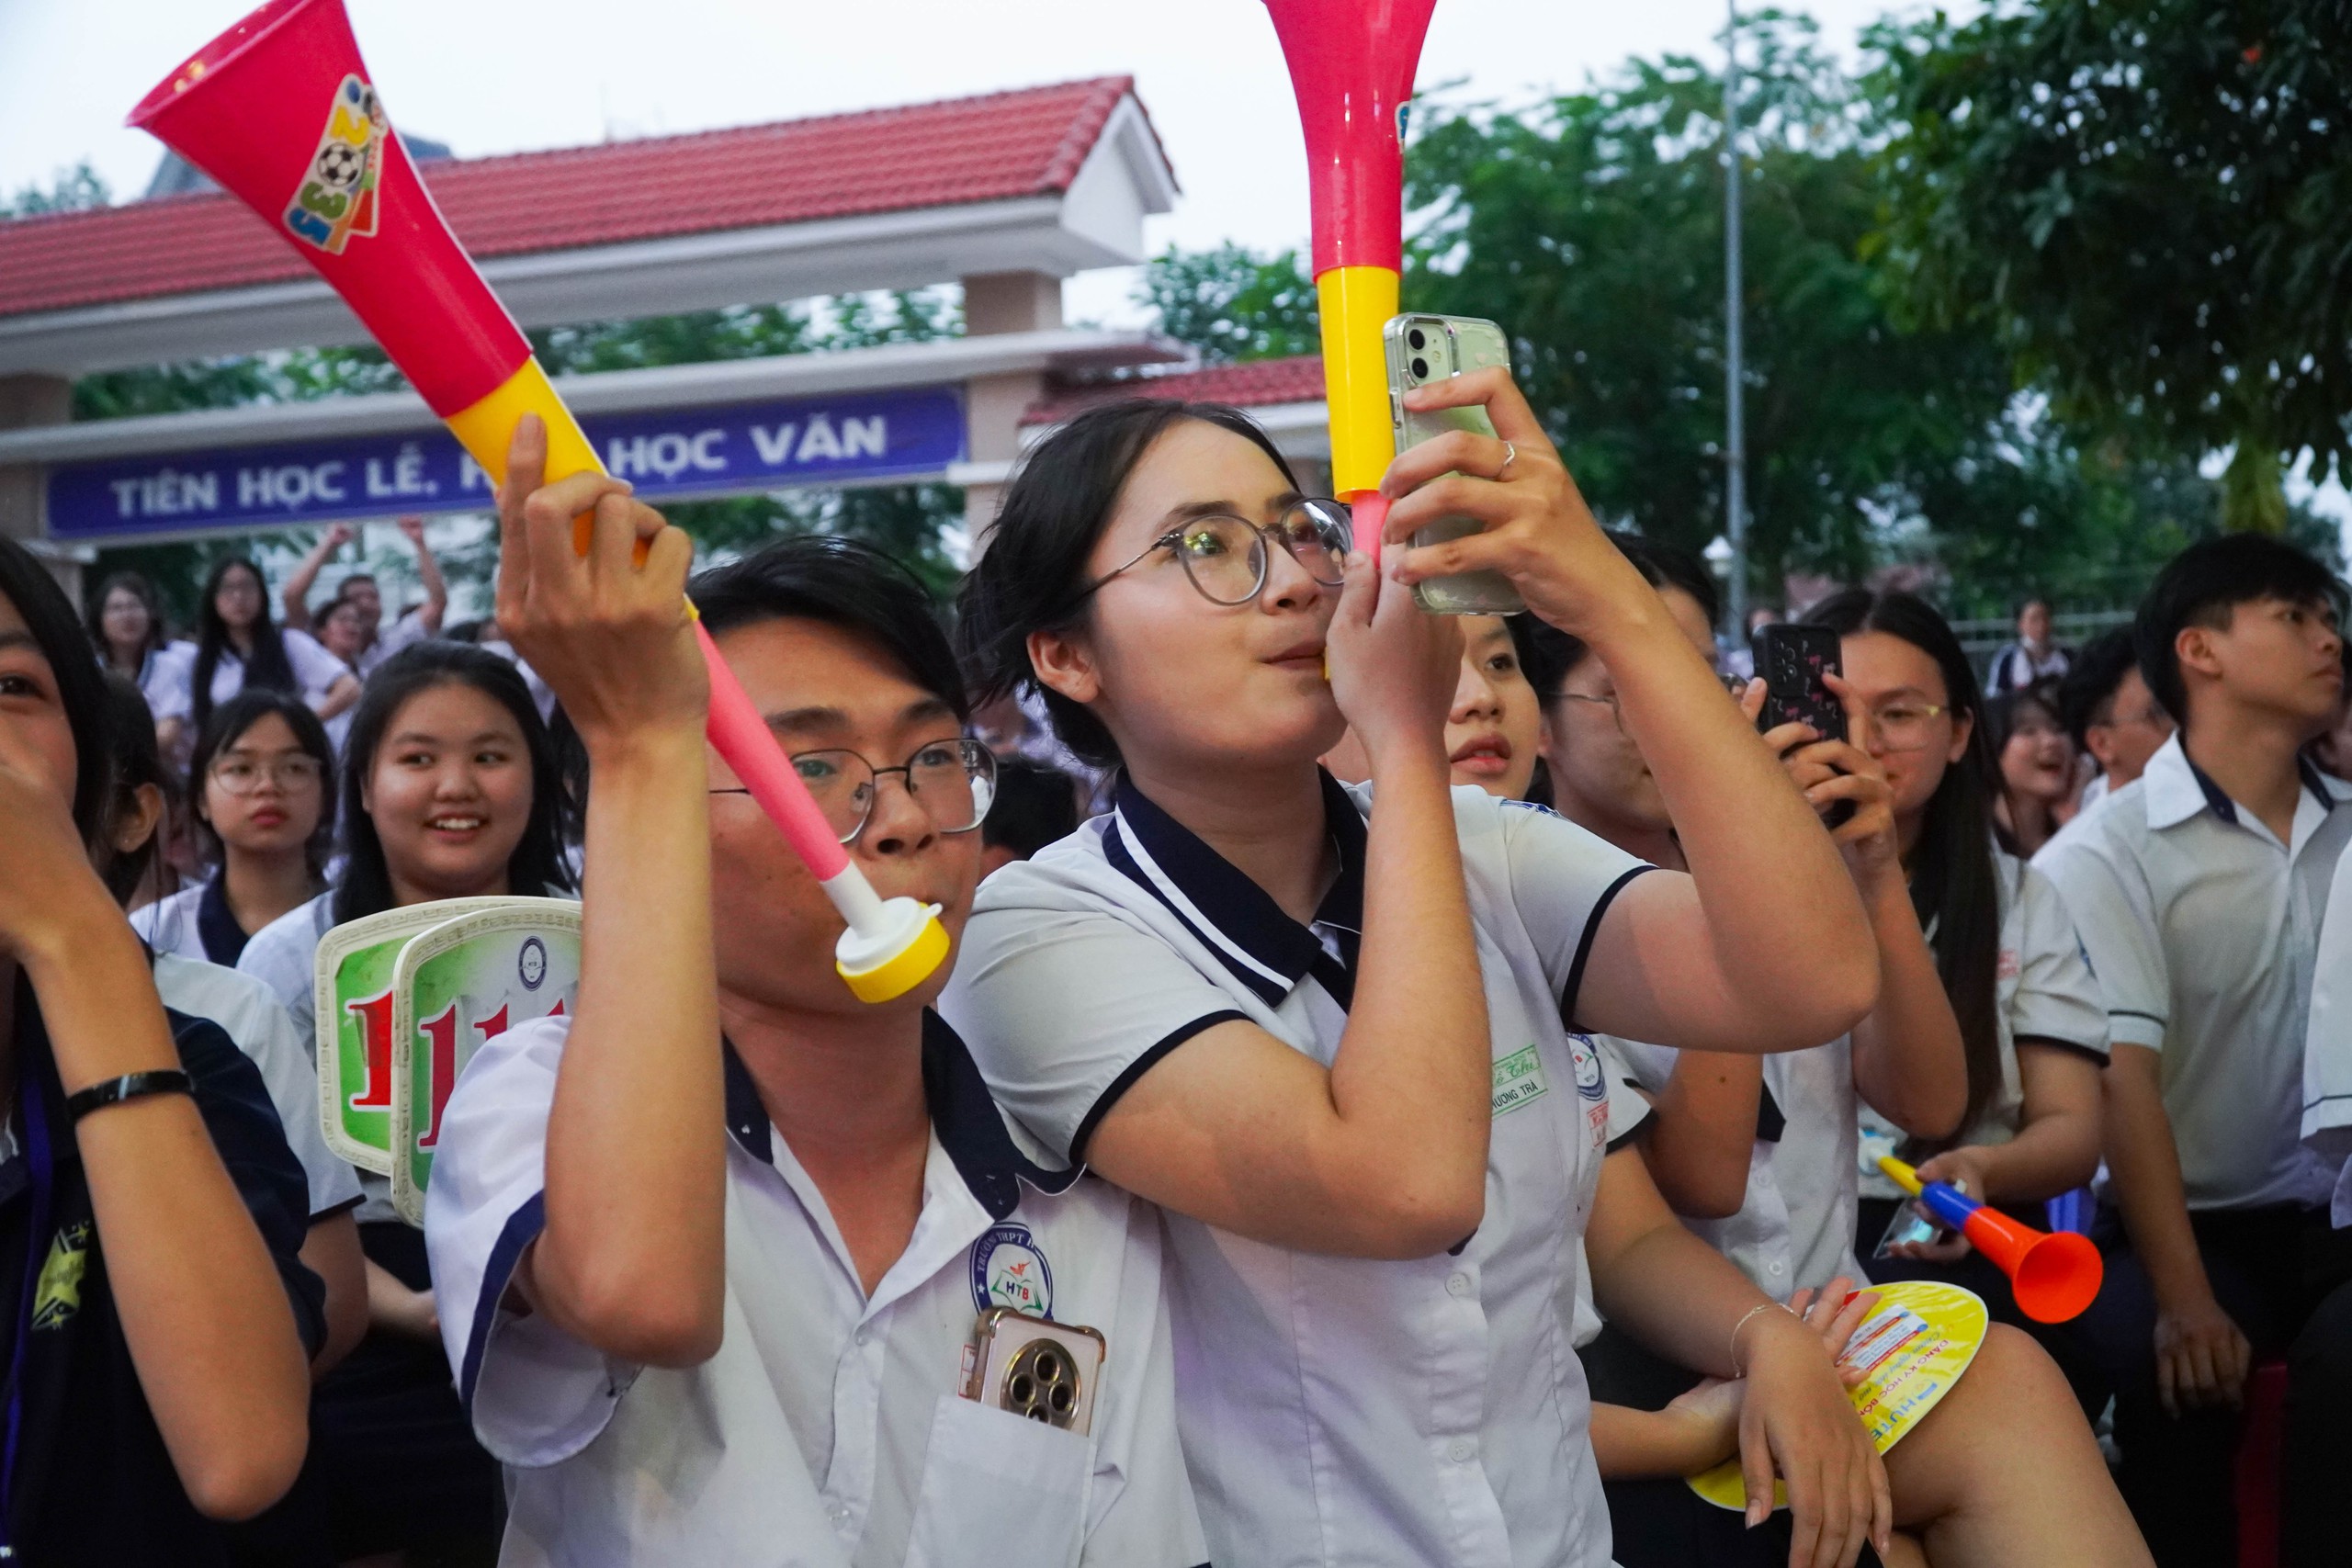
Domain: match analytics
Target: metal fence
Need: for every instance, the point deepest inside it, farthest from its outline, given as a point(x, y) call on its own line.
point(2071, 629)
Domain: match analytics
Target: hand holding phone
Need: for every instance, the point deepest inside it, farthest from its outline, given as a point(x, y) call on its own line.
point(1793, 660)
point(1421, 349)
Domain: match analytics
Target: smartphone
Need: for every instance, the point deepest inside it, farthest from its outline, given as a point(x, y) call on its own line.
point(1791, 660)
point(1035, 1367)
point(1909, 1227)
point(1421, 349)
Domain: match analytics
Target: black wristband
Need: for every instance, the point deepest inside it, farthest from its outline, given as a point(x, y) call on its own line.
point(131, 1085)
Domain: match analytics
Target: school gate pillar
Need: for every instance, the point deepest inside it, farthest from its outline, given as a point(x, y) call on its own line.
point(30, 399)
point(1000, 302)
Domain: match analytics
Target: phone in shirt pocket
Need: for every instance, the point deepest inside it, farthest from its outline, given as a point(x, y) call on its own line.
point(1037, 1369)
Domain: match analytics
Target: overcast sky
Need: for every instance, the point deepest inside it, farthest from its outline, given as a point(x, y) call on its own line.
point(505, 75)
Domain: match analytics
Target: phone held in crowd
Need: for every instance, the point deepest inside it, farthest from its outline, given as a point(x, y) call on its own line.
point(1423, 349)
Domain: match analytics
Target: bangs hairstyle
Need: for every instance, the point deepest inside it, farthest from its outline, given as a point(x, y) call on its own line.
point(138, 587)
point(228, 726)
point(266, 666)
point(2004, 713)
point(1032, 575)
point(1550, 655)
point(57, 632)
point(138, 763)
point(2203, 586)
point(538, 865)
point(839, 582)
point(1953, 887)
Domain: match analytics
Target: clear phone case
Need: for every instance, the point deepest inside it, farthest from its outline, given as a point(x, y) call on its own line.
point(1421, 349)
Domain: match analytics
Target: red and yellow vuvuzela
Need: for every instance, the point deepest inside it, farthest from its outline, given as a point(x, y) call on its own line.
point(280, 111)
point(1351, 64)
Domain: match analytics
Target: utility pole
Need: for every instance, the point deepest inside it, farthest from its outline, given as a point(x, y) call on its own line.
point(1734, 420)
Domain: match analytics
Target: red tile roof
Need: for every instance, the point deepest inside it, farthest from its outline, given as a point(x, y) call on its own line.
point(990, 148)
point(1258, 384)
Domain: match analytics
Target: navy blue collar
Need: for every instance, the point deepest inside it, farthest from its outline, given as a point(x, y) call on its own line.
point(2223, 807)
point(963, 1118)
point(216, 923)
point(1232, 915)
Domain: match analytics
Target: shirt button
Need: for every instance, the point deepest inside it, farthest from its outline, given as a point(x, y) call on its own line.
point(1462, 1450)
point(862, 1335)
point(1771, 1267)
point(1459, 1285)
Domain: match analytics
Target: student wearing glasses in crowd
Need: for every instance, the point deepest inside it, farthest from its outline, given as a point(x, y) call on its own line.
point(450, 789)
point(2032, 1021)
point(713, 1248)
point(1767, 1171)
point(2199, 891)
point(1336, 1051)
point(237, 645)
point(265, 820)
point(372, 641)
point(159, 1317)
point(126, 628)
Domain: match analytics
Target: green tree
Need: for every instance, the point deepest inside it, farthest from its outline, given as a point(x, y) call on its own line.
point(73, 190)
point(2142, 201)
point(1233, 304)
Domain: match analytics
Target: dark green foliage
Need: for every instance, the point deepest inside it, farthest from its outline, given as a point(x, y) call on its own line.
point(1231, 304)
point(2143, 201)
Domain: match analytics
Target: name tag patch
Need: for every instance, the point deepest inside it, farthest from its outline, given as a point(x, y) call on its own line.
point(1519, 1078)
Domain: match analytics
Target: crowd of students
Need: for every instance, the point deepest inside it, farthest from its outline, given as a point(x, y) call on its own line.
point(1443, 1060)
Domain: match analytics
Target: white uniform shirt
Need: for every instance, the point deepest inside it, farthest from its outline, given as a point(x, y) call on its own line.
point(2203, 929)
point(826, 1431)
point(315, 672)
point(195, 922)
point(2327, 1050)
point(163, 678)
point(282, 955)
point(249, 1015)
point(2043, 994)
point(1335, 1410)
point(1795, 1227)
point(405, 632)
point(1629, 1111)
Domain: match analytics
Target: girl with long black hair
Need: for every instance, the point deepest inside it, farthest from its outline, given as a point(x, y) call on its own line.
point(127, 627)
point(158, 1317)
point(2032, 1021)
point(261, 785)
point(238, 645)
point(451, 789)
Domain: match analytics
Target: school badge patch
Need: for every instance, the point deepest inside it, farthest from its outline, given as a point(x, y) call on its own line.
point(337, 197)
point(1009, 1269)
point(58, 1294)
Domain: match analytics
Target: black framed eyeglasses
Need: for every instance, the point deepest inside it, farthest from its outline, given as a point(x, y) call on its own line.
point(1225, 558)
point(953, 781)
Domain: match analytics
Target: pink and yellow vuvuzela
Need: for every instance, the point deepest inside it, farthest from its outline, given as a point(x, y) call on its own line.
point(280, 109)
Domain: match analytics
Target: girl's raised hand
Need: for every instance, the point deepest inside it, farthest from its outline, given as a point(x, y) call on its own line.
point(1536, 529)
point(1393, 668)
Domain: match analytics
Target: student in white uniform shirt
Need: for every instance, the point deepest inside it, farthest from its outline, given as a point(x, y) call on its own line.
point(126, 621)
point(2031, 1021)
point(711, 1257)
point(2197, 891)
point(2114, 719)
point(238, 645)
point(1342, 1071)
point(247, 1012)
point(376, 642)
point(450, 789)
point(261, 784)
point(1775, 1188)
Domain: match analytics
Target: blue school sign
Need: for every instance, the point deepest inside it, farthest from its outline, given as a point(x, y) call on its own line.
point(679, 452)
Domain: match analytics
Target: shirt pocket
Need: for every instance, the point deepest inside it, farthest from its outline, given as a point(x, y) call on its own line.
point(999, 1489)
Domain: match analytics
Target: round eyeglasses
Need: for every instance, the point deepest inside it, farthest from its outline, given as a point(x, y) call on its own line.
point(953, 781)
point(1225, 558)
point(243, 775)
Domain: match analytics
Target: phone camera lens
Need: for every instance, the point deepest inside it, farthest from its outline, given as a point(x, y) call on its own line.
point(1024, 1392)
point(1417, 338)
point(1420, 368)
point(1059, 1398)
